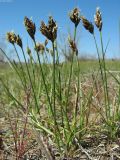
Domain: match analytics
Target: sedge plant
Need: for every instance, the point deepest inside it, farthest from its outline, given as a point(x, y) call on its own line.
point(51, 112)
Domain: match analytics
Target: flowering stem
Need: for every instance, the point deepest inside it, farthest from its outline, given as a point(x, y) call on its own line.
point(60, 87)
point(43, 77)
point(54, 98)
point(51, 108)
point(101, 69)
point(75, 31)
point(69, 83)
point(31, 81)
point(54, 79)
point(105, 79)
point(99, 59)
point(23, 73)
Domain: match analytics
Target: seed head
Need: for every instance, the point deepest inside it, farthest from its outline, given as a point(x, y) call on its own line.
point(11, 37)
point(30, 27)
point(19, 41)
point(88, 25)
point(40, 47)
point(72, 45)
point(98, 19)
point(75, 16)
point(50, 30)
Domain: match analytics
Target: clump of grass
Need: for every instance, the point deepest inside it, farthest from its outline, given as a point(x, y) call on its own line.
point(59, 107)
point(109, 114)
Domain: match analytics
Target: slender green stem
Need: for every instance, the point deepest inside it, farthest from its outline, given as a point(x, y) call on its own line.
point(78, 90)
point(78, 85)
point(31, 83)
point(43, 78)
point(54, 109)
point(51, 108)
point(101, 67)
point(33, 67)
point(69, 83)
point(75, 32)
point(105, 79)
point(68, 91)
point(99, 59)
point(54, 95)
point(59, 83)
point(23, 73)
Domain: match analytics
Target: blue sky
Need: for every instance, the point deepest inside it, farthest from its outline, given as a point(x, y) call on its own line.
point(12, 13)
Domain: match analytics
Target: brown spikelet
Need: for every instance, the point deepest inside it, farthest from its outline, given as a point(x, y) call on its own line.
point(40, 47)
point(11, 37)
point(30, 27)
point(98, 19)
point(75, 16)
point(19, 41)
point(50, 30)
point(88, 25)
point(72, 45)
